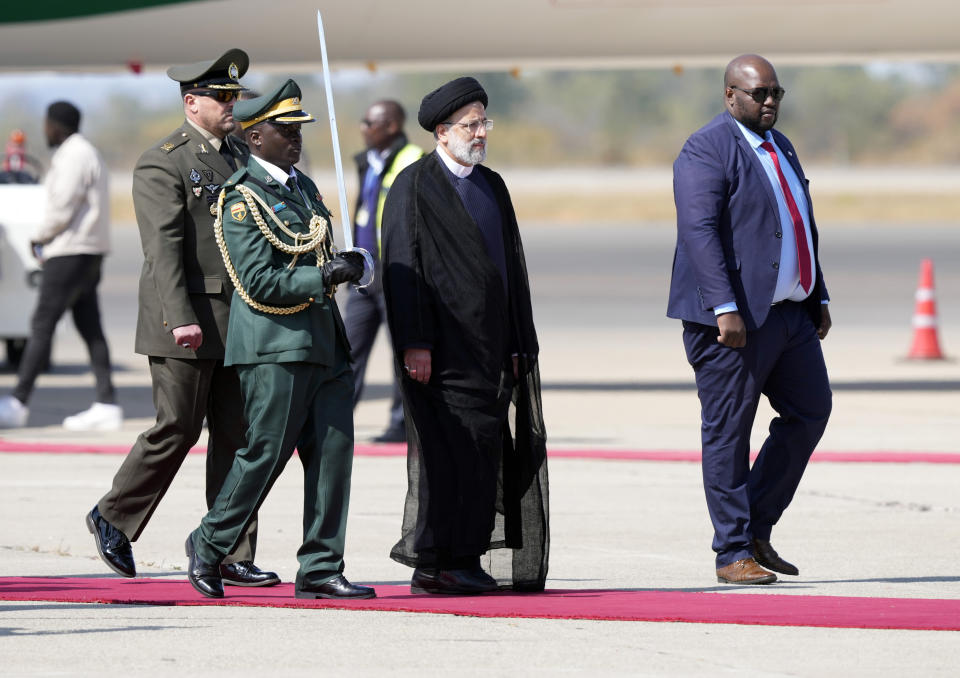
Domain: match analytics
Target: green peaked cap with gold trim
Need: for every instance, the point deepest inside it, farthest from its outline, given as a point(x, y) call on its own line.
point(281, 105)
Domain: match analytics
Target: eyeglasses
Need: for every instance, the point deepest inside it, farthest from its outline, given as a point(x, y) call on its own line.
point(371, 123)
point(760, 94)
point(224, 96)
point(473, 127)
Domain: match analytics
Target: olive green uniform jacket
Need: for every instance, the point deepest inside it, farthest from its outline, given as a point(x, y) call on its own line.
point(183, 281)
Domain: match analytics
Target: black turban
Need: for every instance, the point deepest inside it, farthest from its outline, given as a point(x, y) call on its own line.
point(441, 102)
point(66, 114)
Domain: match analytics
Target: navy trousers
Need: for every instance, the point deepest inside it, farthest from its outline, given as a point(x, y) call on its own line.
point(784, 362)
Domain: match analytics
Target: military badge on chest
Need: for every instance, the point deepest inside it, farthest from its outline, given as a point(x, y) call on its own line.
point(194, 176)
point(238, 211)
point(198, 191)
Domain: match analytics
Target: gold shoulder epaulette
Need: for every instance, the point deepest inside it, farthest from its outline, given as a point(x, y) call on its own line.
point(178, 138)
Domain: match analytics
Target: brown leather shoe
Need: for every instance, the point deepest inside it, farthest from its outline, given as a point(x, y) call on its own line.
point(768, 557)
point(745, 571)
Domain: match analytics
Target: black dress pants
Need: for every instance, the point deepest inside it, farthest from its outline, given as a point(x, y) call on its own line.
point(68, 282)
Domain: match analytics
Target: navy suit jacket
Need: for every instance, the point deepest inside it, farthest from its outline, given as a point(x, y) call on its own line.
point(728, 228)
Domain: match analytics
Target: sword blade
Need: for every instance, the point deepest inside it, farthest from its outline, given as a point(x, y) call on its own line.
point(335, 140)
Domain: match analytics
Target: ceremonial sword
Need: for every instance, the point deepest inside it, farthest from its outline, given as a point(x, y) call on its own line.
point(368, 264)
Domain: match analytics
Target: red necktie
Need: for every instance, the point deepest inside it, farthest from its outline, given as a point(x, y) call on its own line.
point(803, 252)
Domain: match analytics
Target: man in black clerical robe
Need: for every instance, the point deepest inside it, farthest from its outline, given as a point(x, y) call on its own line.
point(458, 307)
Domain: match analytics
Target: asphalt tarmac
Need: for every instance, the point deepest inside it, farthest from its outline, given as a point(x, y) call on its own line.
point(614, 378)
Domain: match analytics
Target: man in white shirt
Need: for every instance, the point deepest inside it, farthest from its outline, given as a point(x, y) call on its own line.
point(71, 242)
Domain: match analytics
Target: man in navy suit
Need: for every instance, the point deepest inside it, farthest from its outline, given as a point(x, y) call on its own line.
point(748, 287)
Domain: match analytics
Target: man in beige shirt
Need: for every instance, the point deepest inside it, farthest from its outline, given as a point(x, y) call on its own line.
point(71, 242)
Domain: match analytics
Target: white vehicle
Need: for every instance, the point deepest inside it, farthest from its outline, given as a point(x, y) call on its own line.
point(21, 205)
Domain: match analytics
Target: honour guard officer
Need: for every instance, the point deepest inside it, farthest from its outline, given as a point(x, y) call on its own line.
point(184, 305)
point(288, 345)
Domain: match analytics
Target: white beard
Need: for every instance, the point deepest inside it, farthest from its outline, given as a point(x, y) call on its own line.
point(465, 151)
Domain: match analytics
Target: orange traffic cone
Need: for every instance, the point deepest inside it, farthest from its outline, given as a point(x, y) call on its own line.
point(925, 344)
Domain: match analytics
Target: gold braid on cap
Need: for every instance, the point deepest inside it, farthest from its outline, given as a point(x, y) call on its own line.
point(317, 239)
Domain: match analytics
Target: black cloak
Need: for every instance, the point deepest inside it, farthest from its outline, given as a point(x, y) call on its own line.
point(443, 292)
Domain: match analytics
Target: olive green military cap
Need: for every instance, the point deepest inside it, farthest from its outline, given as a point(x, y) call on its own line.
point(220, 73)
point(280, 105)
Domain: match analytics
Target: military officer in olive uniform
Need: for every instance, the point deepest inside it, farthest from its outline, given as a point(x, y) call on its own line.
point(288, 344)
point(184, 305)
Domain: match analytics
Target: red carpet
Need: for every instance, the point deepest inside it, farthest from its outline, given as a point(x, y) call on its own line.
point(618, 605)
point(396, 449)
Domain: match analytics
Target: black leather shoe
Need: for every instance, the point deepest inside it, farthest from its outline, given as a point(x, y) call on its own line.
point(245, 573)
point(481, 576)
point(203, 576)
point(770, 559)
point(451, 582)
point(392, 435)
point(112, 544)
point(338, 588)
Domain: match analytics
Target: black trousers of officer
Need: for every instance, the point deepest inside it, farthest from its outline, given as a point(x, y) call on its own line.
point(68, 282)
point(184, 392)
point(366, 311)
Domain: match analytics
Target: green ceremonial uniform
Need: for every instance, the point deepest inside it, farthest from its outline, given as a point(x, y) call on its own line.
point(183, 282)
point(295, 374)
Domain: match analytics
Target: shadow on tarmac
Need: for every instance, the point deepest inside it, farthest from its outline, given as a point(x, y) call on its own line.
point(375, 391)
point(15, 631)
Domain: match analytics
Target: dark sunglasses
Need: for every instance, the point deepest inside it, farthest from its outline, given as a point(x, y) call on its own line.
point(760, 94)
point(224, 96)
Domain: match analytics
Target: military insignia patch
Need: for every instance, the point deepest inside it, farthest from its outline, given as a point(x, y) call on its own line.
point(194, 176)
point(208, 175)
point(233, 71)
point(268, 179)
point(238, 211)
point(213, 188)
point(197, 191)
point(167, 147)
point(279, 206)
point(203, 148)
point(319, 197)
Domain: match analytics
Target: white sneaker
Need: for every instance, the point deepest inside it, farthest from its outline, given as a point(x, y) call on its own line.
point(100, 417)
point(13, 413)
